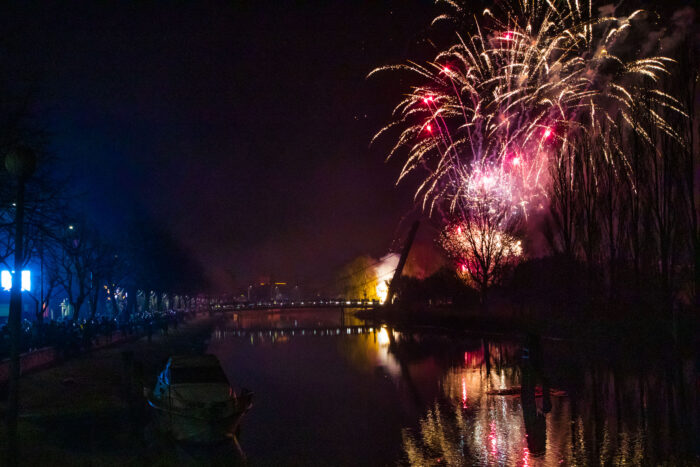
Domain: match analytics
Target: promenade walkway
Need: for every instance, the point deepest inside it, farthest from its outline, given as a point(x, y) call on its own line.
point(76, 413)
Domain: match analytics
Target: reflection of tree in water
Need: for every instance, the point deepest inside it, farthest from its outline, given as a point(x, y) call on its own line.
point(471, 427)
point(609, 418)
point(441, 441)
point(452, 435)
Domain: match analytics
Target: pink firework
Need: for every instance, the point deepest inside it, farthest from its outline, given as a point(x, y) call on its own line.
point(532, 84)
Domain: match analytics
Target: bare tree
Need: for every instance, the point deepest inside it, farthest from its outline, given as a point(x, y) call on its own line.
point(689, 129)
point(78, 264)
point(482, 241)
point(559, 227)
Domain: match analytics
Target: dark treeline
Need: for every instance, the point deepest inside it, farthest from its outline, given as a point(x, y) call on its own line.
point(80, 271)
point(74, 263)
point(627, 233)
point(72, 258)
point(443, 287)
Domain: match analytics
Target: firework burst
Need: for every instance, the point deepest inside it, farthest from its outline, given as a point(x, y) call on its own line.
point(493, 112)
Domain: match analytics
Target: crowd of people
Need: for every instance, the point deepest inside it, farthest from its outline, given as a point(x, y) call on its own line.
point(70, 337)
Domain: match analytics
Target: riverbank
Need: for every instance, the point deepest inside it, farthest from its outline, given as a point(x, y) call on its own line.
point(606, 327)
point(77, 413)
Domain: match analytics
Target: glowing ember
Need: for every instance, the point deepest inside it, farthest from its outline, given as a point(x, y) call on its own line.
point(382, 290)
point(384, 271)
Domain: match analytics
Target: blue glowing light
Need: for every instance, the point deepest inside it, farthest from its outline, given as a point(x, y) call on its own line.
point(6, 280)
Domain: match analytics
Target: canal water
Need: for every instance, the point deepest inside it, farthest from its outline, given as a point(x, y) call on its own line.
point(330, 390)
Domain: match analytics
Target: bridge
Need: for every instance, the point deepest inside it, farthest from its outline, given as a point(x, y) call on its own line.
point(262, 331)
point(295, 305)
point(341, 304)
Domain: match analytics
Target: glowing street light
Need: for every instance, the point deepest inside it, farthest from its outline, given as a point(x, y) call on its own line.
point(6, 280)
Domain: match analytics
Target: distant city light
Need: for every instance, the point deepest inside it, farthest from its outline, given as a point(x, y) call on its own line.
point(6, 280)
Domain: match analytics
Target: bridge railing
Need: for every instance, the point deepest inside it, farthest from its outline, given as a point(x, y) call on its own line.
point(262, 332)
point(266, 305)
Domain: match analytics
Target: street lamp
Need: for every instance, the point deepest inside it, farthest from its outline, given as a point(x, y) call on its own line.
point(20, 164)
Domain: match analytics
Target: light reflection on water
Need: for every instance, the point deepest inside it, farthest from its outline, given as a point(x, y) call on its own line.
point(606, 420)
point(476, 428)
point(331, 390)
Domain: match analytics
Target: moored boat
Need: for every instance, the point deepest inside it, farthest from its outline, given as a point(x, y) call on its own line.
point(194, 401)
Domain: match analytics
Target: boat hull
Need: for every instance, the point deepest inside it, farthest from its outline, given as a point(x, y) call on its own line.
point(198, 426)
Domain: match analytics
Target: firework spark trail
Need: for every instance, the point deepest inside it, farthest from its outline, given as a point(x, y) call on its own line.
point(502, 105)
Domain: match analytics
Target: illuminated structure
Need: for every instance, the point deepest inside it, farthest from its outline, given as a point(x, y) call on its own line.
point(6, 280)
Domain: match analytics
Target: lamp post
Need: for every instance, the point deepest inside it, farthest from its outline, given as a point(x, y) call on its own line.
point(20, 164)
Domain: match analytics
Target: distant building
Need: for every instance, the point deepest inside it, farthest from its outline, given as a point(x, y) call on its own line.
point(274, 292)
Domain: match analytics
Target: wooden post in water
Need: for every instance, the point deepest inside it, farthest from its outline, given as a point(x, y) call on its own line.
point(402, 262)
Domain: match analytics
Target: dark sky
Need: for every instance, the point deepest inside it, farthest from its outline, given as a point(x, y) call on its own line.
point(243, 127)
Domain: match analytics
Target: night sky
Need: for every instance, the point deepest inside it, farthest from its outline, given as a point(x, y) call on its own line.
point(241, 127)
